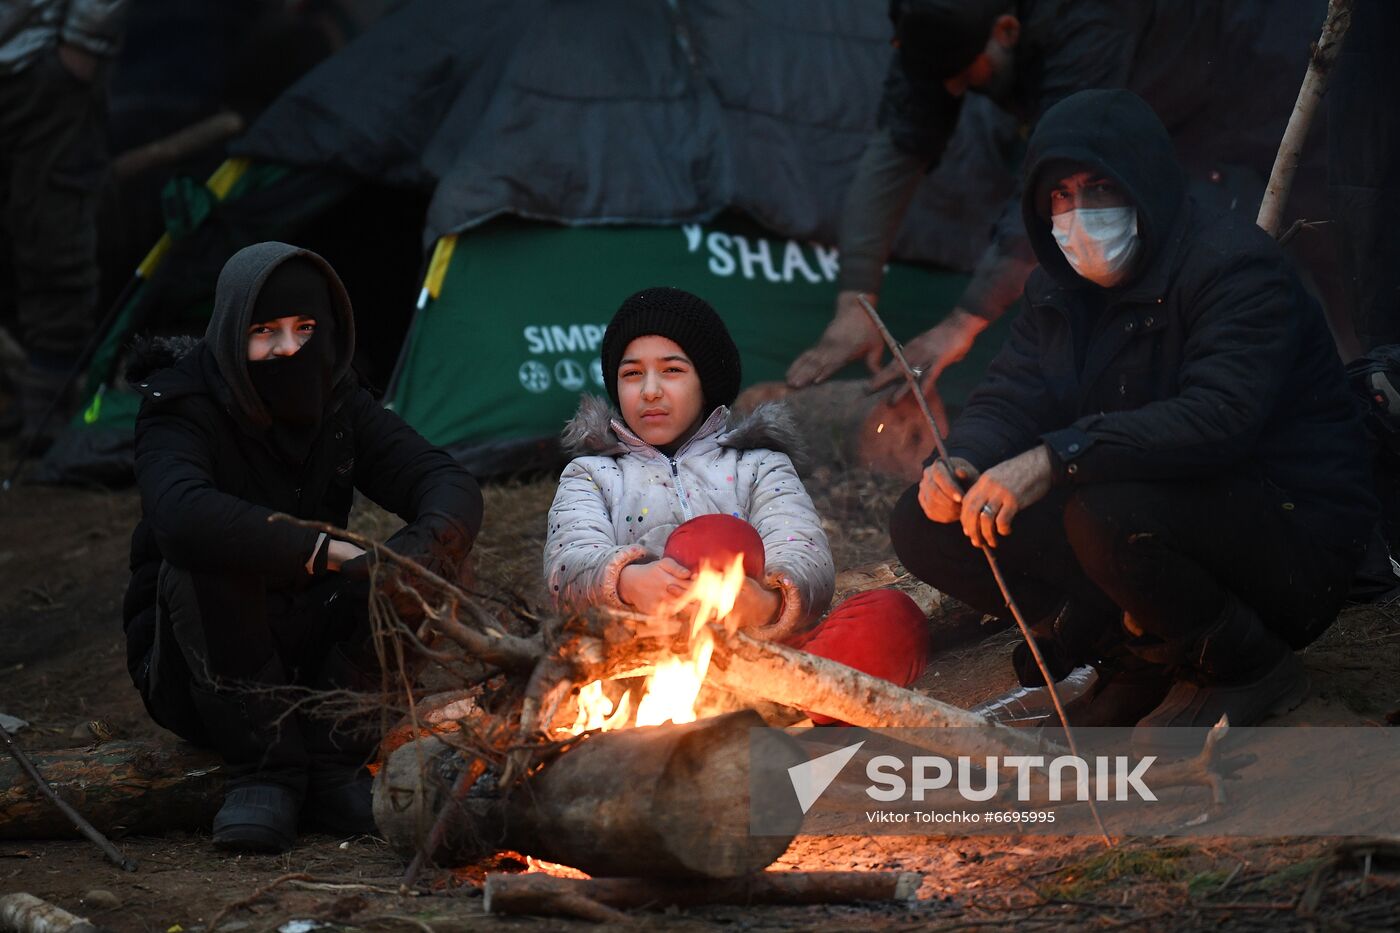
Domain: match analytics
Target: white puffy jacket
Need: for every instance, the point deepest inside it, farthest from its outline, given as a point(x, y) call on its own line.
point(619, 504)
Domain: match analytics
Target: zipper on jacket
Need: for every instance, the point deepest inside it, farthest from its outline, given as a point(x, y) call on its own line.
point(680, 490)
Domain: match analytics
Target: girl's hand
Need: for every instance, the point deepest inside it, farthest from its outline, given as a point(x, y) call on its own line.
point(757, 605)
point(645, 587)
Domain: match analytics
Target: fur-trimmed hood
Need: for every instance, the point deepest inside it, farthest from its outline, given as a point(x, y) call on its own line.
point(149, 355)
point(597, 429)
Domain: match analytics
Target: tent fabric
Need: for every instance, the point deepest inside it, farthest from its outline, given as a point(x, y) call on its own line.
point(505, 351)
point(631, 112)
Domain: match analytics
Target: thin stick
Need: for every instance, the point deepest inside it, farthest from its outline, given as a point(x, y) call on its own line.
point(113, 854)
point(257, 895)
point(1011, 604)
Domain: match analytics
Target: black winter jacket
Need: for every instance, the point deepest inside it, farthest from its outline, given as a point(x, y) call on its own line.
point(1221, 74)
point(1211, 359)
point(209, 478)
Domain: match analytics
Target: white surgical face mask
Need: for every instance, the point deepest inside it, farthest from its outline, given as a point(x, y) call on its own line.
point(1100, 243)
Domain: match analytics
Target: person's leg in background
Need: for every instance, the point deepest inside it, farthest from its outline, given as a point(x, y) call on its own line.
point(56, 161)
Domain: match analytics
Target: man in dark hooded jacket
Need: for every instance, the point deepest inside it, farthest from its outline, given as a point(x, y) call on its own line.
point(229, 615)
point(1164, 455)
point(1221, 75)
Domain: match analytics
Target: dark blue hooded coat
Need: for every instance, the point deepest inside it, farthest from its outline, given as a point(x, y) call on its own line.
point(1210, 359)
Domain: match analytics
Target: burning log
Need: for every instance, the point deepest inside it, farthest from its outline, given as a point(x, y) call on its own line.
point(666, 801)
point(133, 787)
point(818, 685)
point(543, 894)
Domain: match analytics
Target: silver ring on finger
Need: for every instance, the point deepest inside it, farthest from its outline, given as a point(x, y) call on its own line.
point(988, 511)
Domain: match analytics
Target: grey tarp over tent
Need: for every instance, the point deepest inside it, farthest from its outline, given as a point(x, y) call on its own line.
point(630, 111)
point(611, 114)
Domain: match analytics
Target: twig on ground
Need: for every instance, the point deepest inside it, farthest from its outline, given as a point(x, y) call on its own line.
point(258, 895)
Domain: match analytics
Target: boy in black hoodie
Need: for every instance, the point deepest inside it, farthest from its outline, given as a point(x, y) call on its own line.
point(1164, 455)
point(224, 608)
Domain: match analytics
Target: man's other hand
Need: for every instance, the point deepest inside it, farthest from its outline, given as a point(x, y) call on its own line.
point(932, 352)
point(849, 336)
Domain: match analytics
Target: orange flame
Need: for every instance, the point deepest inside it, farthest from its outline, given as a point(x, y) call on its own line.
point(672, 688)
point(595, 710)
point(539, 865)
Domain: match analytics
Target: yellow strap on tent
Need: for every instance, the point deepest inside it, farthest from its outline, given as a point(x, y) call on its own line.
point(437, 268)
point(220, 183)
point(94, 409)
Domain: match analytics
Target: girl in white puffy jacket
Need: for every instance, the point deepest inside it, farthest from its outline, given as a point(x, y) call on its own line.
point(677, 479)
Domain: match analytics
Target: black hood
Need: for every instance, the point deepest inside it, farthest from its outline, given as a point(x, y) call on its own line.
point(1114, 132)
point(236, 296)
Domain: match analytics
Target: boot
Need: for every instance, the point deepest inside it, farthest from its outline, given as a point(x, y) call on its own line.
point(338, 798)
point(262, 746)
point(1123, 693)
point(1237, 669)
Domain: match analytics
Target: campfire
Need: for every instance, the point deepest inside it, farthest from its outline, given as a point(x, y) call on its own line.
point(672, 687)
point(556, 758)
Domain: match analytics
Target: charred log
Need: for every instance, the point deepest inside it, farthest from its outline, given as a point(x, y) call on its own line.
point(665, 801)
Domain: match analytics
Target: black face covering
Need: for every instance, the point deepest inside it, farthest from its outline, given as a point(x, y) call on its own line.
point(296, 390)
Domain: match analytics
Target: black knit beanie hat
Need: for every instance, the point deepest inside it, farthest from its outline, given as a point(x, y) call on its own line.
point(692, 324)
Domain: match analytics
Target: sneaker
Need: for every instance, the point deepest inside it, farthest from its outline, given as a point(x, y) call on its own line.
point(257, 817)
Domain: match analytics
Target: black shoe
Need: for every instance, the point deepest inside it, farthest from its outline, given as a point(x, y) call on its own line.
point(1179, 725)
point(1073, 635)
point(257, 817)
point(339, 801)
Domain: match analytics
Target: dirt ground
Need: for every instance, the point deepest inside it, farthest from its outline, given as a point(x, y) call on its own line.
point(63, 558)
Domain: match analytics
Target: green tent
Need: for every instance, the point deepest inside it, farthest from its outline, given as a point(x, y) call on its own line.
point(512, 315)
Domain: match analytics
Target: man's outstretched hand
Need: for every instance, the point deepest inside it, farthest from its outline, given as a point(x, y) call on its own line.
point(931, 352)
point(849, 336)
